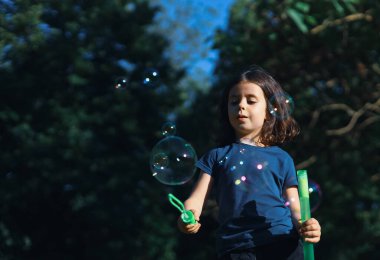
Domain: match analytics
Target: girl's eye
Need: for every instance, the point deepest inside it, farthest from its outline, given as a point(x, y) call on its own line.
point(251, 102)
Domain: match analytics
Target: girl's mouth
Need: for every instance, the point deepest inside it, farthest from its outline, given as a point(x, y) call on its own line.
point(241, 118)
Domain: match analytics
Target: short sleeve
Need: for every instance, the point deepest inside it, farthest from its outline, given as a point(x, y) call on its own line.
point(290, 174)
point(207, 162)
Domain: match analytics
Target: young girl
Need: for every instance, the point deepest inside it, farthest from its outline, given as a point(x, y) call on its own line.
point(254, 180)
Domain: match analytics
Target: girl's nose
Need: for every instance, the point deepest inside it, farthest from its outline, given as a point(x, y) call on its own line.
point(241, 106)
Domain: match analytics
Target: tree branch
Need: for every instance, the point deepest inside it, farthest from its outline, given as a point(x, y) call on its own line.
point(369, 121)
point(307, 162)
point(355, 115)
point(338, 106)
point(349, 18)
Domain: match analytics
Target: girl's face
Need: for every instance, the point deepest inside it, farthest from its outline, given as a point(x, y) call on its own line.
point(247, 108)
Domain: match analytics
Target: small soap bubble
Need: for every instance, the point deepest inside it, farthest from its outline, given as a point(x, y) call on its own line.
point(315, 195)
point(151, 77)
point(281, 106)
point(223, 160)
point(121, 83)
point(172, 161)
point(168, 129)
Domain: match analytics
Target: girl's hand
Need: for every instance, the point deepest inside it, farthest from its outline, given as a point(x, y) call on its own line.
point(189, 228)
point(310, 230)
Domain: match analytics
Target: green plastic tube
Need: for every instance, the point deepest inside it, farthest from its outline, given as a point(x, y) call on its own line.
point(303, 188)
point(186, 215)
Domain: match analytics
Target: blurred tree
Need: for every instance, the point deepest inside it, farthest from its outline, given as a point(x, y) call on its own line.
point(75, 180)
point(326, 55)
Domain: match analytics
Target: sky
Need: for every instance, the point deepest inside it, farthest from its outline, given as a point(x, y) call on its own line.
point(190, 25)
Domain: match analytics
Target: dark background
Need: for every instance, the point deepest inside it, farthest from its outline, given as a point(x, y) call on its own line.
point(75, 181)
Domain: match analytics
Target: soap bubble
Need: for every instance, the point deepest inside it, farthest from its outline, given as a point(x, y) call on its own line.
point(121, 83)
point(281, 106)
point(172, 161)
point(168, 129)
point(151, 77)
point(315, 195)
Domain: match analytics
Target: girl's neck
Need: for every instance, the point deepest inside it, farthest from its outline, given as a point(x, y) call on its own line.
point(250, 141)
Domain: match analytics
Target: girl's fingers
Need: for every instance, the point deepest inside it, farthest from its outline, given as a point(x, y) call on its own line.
point(193, 228)
point(309, 222)
point(311, 231)
point(311, 227)
point(189, 228)
point(311, 234)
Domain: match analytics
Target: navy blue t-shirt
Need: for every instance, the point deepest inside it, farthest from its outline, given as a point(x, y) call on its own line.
point(249, 183)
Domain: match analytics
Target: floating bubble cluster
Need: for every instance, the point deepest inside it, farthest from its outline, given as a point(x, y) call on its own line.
point(169, 129)
point(151, 77)
point(121, 83)
point(281, 106)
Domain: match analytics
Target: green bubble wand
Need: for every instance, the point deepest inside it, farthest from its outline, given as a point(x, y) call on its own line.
point(187, 216)
point(308, 248)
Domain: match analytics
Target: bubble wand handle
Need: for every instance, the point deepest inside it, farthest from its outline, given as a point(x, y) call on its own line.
point(303, 187)
point(186, 215)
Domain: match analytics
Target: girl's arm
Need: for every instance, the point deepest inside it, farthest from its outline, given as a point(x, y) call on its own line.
point(196, 201)
point(293, 200)
point(310, 229)
point(199, 194)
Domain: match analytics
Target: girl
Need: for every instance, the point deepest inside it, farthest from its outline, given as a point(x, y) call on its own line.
point(254, 180)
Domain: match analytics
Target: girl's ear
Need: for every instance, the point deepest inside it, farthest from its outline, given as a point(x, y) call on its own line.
point(266, 116)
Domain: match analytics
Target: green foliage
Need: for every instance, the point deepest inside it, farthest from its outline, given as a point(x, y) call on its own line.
point(75, 182)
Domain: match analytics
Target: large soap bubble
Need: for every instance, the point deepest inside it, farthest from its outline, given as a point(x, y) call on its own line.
point(172, 161)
